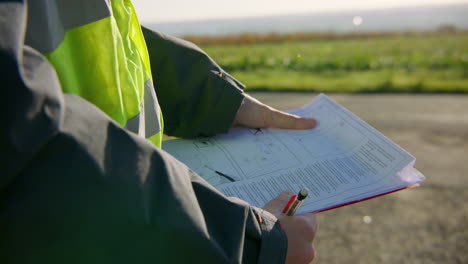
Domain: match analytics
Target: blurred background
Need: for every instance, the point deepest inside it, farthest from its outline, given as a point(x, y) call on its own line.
point(328, 46)
point(400, 65)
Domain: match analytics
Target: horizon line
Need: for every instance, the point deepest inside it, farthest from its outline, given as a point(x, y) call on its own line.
point(325, 11)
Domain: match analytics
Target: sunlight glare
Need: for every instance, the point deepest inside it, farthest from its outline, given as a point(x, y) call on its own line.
point(357, 20)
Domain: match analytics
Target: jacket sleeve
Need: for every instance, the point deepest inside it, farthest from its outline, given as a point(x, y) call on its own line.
point(197, 97)
point(77, 188)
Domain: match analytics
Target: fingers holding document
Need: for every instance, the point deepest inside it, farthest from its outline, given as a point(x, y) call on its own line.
point(254, 114)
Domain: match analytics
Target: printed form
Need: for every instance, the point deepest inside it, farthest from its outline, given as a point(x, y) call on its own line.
point(342, 160)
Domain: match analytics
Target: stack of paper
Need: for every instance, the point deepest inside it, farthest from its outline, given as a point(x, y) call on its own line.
point(341, 161)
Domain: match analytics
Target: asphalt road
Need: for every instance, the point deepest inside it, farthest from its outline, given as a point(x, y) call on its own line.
point(428, 224)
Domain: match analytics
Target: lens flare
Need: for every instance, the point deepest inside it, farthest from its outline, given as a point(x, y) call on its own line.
point(357, 20)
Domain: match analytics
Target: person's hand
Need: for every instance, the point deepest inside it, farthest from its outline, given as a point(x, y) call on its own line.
point(254, 114)
point(300, 230)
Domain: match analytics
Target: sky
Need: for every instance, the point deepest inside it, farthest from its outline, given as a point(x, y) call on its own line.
point(154, 11)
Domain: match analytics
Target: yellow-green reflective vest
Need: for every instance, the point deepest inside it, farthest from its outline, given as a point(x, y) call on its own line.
point(99, 53)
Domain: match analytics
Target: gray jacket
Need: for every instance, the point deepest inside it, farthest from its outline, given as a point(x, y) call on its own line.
point(75, 187)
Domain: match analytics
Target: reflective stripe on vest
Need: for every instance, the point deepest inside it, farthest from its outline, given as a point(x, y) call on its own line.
point(99, 53)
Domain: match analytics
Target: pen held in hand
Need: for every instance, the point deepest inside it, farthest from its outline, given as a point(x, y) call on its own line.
point(297, 203)
point(289, 204)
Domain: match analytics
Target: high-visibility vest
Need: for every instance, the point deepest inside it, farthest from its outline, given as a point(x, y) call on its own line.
point(99, 53)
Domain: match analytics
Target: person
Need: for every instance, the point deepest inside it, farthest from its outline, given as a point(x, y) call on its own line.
point(81, 184)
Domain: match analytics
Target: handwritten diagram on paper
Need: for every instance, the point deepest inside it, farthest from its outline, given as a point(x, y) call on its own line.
point(257, 154)
point(334, 135)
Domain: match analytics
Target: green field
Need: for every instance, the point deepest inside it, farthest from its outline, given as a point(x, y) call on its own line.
point(396, 63)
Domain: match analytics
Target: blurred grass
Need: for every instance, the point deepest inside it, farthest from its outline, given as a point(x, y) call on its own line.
point(415, 63)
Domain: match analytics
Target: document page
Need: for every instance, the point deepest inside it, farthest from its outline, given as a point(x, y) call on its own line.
point(342, 160)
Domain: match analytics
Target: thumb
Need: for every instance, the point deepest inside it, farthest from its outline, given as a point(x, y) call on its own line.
point(279, 119)
point(276, 205)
